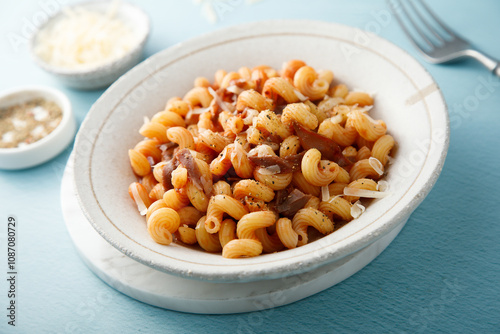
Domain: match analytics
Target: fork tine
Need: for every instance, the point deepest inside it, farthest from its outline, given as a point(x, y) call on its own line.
point(403, 25)
point(438, 21)
point(426, 23)
point(415, 25)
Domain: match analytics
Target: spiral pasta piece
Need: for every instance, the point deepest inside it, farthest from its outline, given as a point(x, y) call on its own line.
point(198, 96)
point(316, 171)
point(313, 202)
point(168, 119)
point(155, 206)
point(359, 98)
point(270, 243)
point(154, 130)
point(220, 204)
point(149, 148)
point(336, 207)
point(208, 241)
point(157, 192)
point(320, 114)
point(382, 148)
point(252, 221)
point(222, 188)
point(366, 184)
point(286, 233)
point(326, 75)
point(367, 128)
point(275, 87)
point(214, 140)
point(310, 217)
point(179, 177)
point(229, 78)
point(253, 189)
point(343, 176)
point(176, 199)
point(273, 181)
point(363, 153)
point(363, 169)
point(290, 68)
point(340, 90)
point(242, 248)
point(300, 182)
point(300, 113)
point(179, 107)
point(140, 164)
point(307, 82)
point(187, 235)
point(149, 182)
point(227, 232)
point(161, 224)
point(290, 146)
point(337, 188)
point(189, 215)
point(201, 82)
point(242, 165)
point(221, 164)
point(271, 122)
point(344, 136)
point(254, 100)
point(181, 136)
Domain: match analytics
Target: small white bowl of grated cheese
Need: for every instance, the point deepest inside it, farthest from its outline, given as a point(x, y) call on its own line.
point(91, 44)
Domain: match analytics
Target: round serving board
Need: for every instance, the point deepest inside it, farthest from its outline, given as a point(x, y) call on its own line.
point(188, 295)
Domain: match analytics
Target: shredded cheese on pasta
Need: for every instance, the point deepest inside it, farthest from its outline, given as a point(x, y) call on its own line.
point(382, 185)
point(325, 193)
point(348, 191)
point(357, 209)
point(376, 165)
point(217, 99)
point(138, 200)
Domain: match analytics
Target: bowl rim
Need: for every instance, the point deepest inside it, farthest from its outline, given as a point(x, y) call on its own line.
point(106, 66)
point(391, 218)
point(63, 102)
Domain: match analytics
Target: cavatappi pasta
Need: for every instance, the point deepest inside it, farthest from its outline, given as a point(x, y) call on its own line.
point(250, 162)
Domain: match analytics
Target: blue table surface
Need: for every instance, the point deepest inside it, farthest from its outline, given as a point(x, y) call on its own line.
point(441, 274)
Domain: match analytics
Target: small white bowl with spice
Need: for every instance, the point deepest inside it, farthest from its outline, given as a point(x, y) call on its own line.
point(91, 44)
point(36, 124)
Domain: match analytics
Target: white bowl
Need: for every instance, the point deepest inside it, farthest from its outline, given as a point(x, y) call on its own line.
point(47, 147)
point(105, 74)
point(407, 99)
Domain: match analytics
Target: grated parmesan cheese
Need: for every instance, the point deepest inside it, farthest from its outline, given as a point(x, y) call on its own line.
point(235, 89)
point(334, 198)
point(251, 114)
point(40, 114)
point(337, 119)
point(376, 165)
point(271, 170)
point(218, 100)
point(8, 137)
point(357, 209)
point(84, 39)
point(383, 185)
point(364, 193)
point(301, 96)
point(138, 201)
point(325, 193)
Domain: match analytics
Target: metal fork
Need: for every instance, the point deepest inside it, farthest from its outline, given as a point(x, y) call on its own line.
point(434, 45)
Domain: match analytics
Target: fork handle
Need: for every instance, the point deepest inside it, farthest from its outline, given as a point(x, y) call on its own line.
point(490, 63)
point(496, 71)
